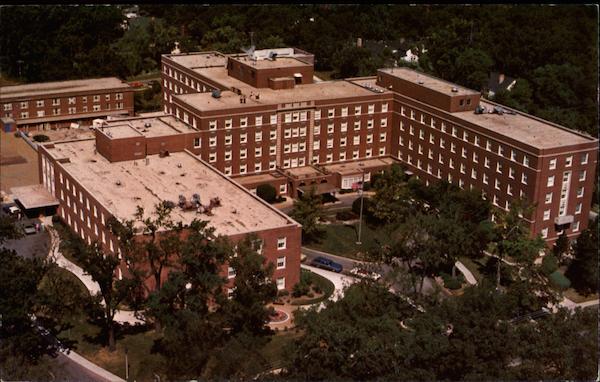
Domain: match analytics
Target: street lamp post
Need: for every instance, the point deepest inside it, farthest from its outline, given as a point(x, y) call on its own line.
point(362, 186)
point(126, 366)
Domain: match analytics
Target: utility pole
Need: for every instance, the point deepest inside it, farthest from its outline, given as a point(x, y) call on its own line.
point(362, 193)
point(126, 366)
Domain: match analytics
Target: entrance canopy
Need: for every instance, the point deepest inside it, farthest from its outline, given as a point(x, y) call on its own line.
point(33, 197)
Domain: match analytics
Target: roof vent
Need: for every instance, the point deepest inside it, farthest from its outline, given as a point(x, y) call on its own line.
point(147, 124)
point(216, 93)
point(179, 165)
point(118, 183)
point(454, 89)
point(479, 109)
point(420, 82)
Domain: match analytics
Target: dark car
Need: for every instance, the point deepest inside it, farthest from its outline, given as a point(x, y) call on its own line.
point(325, 263)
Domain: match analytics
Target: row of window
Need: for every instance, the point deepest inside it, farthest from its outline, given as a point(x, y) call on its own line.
point(343, 126)
point(280, 281)
point(500, 151)
point(574, 227)
point(342, 155)
point(356, 140)
point(71, 110)
point(343, 111)
point(568, 161)
point(57, 101)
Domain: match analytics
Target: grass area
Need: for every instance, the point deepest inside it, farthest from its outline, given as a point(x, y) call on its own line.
point(472, 266)
point(340, 240)
point(572, 295)
point(273, 351)
point(322, 283)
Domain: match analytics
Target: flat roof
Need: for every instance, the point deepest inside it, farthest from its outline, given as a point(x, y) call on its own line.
point(357, 166)
point(428, 81)
point(199, 59)
point(326, 90)
point(279, 62)
point(303, 172)
point(162, 179)
point(148, 127)
point(524, 128)
point(250, 179)
point(35, 196)
point(50, 88)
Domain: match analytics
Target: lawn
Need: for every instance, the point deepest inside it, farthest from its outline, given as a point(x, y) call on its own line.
point(340, 239)
point(322, 283)
point(572, 295)
point(273, 351)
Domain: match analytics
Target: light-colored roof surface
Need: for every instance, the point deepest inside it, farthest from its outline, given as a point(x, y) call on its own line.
point(199, 59)
point(430, 82)
point(524, 128)
point(279, 62)
point(250, 179)
point(356, 167)
point(158, 127)
point(34, 196)
point(50, 88)
point(301, 93)
point(146, 185)
point(303, 172)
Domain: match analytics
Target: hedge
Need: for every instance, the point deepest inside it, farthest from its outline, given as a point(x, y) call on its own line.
point(559, 280)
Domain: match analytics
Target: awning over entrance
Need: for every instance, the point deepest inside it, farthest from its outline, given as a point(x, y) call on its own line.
point(33, 197)
point(321, 188)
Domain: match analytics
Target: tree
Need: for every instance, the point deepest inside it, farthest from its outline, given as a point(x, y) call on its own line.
point(102, 267)
point(391, 202)
point(266, 192)
point(583, 271)
point(561, 246)
point(520, 97)
point(253, 289)
point(307, 211)
point(353, 61)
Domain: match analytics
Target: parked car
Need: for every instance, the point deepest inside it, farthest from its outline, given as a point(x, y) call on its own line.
point(29, 229)
point(364, 273)
point(325, 263)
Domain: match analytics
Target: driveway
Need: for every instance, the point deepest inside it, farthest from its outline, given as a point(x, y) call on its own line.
point(339, 281)
point(30, 246)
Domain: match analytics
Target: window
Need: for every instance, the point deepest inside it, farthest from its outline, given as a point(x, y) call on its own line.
point(7, 106)
point(546, 215)
point(485, 179)
point(230, 272)
point(412, 114)
point(356, 140)
point(500, 150)
point(550, 182)
point(384, 107)
point(476, 141)
point(549, 198)
point(431, 139)
point(462, 168)
point(39, 103)
point(303, 116)
point(421, 134)
point(244, 122)
point(242, 169)
point(258, 136)
point(356, 125)
point(454, 131)
point(243, 153)
point(509, 189)
point(212, 125)
point(228, 123)
point(274, 119)
point(281, 261)
point(331, 113)
point(525, 160)
point(578, 208)
point(584, 158)
point(475, 158)
point(40, 113)
point(345, 111)
point(442, 143)
point(316, 145)
point(464, 153)
point(488, 145)
point(258, 167)
point(569, 161)
point(281, 243)
point(473, 174)
point(287, 118)
point(370, 124)
point(330, 128)
point(344, 127)
point(370, 138)
point(499, 168)
point(552, 165)
point(575, 226)
point(580, 192)
point(228, 155)
point(452, 147)
point(524, 178)
point(330, 143)
point(545, 233)
point(107, 97)
point(465, 136)
point(24, 114)
point(280, 283)
point(213, 157)
point(371, 109)
point(357, 110)
point(511, 172)
point(582, 174)
point(497, 184)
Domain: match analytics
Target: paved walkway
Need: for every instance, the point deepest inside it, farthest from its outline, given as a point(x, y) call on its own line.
point(466, 272)
point(86, 369)
point(339, 281)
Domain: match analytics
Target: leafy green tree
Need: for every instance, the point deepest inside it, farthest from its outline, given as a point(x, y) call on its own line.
point(102, 267)
point(253, 290)
point(391, 201)
point(561, 246)
point(473, 67)
point(520, 97)
point(307, 211)
point(583, 271)
point(224, 39)
point(266, 192)
point(353, 61)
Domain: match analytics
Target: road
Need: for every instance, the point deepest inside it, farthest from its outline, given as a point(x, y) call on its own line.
point(345, 201)
point(348, 264)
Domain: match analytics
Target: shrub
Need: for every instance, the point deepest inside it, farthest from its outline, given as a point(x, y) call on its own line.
point(56, 219)
point(17, 134)
point(549, 264)
point(559, 280)
point(451, 282)
point(317, 288)
point(345, 215)
point(367, 186)
point(348, 191)
point(283, 293)
point(366, 204)
point(266, 192)
point(41, 138)
point(310, 295)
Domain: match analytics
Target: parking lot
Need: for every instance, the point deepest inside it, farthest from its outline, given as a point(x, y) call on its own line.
point(35, 241)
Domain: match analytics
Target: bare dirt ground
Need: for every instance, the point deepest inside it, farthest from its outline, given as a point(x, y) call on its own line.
point(18, 163)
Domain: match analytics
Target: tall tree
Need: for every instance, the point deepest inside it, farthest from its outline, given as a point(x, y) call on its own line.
point(391, 201)
point(583, 271)
point(114, 290)
point(308, 209)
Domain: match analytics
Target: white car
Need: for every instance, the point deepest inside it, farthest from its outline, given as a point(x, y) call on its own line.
point(363, 273)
